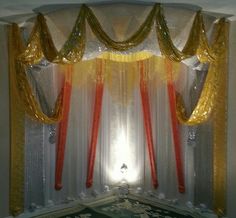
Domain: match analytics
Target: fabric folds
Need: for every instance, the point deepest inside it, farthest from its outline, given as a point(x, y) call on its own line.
point(207, 99)
point(24, 90)
point(41, 45)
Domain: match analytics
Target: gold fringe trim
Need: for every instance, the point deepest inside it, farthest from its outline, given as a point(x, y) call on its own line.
point(137, 56)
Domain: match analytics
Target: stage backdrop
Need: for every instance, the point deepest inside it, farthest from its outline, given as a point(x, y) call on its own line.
point(121, 136)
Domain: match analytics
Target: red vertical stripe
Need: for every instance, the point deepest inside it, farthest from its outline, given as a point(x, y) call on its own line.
point(148, 124)
point(175, 127)
point(95, 127)
point(60, 151)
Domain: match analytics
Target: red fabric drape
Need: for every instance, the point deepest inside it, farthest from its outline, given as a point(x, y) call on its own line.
point(95, 126)
point(60, 150)
point(148, 124)
point(175, 127)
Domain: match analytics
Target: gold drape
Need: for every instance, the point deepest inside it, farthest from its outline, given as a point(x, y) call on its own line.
point(17, 135)
point(28, 100)
point(131, 42)
point(211, 88)
point(40, 45)
point(196, 44)
point(220, 129)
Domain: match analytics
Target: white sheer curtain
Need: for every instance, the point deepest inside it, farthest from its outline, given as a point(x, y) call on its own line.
point(121, 136)
point(121, 139)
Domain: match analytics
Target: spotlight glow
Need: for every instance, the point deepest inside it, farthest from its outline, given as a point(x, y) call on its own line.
point(123, 159)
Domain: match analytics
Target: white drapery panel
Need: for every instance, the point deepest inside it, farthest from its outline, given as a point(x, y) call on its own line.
point(121, 137)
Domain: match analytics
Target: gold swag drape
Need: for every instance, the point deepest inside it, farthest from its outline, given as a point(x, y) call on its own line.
point(25, 93)
point(40, 45)
point(210, 91)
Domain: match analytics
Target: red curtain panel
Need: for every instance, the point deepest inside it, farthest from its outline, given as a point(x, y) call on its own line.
point(175, 126)
point(60, 150)
point(96, 121)
point(147, 123)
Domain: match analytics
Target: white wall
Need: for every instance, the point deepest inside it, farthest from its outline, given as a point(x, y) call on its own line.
point(232, 124)
point(4, 125)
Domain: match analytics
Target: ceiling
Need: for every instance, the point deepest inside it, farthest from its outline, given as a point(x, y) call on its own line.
point(17, 7)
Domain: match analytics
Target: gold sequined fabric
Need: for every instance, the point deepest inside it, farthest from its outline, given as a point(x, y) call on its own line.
point(220, 127)
point(211, 88)
point(213, 101)
point(41, 45)
point(28, 100)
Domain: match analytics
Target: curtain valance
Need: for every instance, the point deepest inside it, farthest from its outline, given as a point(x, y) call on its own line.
point(40, 45)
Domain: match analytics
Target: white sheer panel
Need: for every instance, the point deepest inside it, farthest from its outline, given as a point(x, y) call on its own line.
point(121, 138)
point(46, 81)
point(34, 164)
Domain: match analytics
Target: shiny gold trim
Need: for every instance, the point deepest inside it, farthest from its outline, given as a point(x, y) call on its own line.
point(137, 56)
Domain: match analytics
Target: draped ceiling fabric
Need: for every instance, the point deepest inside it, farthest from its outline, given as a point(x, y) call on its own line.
point(121, 132)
